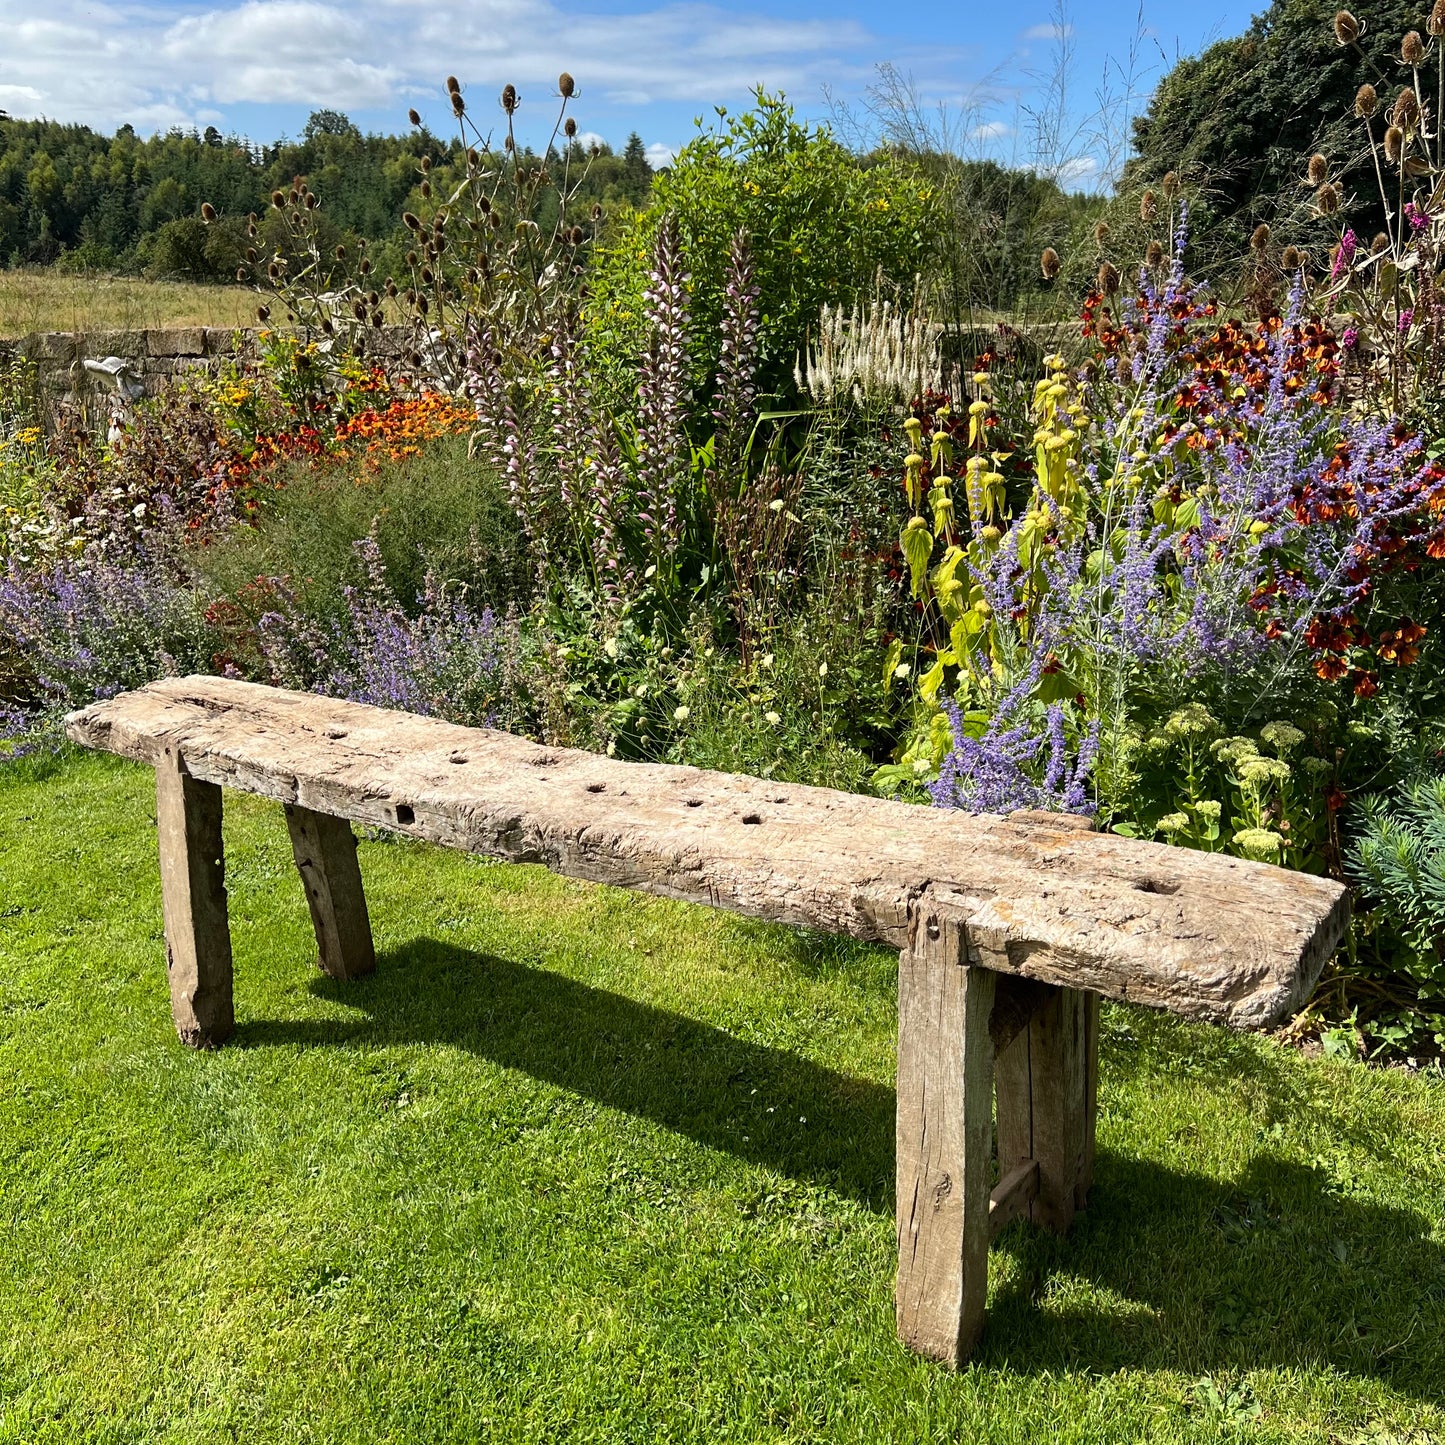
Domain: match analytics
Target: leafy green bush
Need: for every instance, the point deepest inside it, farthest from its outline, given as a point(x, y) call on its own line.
point(438, 512)
point(823, 224)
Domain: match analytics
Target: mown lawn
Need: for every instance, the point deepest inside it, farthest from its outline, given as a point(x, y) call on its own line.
point(577, 1165)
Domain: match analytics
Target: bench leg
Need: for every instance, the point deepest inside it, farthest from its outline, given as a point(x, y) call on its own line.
point(325, 853)
point(1047, 1092)
point(193, 897)
point(945, 1117)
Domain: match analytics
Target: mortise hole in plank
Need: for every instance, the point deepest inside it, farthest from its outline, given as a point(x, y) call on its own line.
point(596, 787)
point(335, 734)
point(752, 818)
point(405, 813)
point(694, 802)
point(1155, 885)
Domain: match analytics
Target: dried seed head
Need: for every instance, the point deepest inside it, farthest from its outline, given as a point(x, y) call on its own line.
point(1394, 143)
point(566, 85)
point(240, 273)
point(1347, 28)
point(509, 144)
point(263, 314)
point(1149, 206)
point(341, 253)
point(1291, 258)
point(453, 85)
point(473, 158)
point(1049, 263)
point(596, 212)
point(208, 212)
point(575, 235)
point(459, 106)
point(510, 99)
point(414, 116)
point(1170, 185)
point(1319, 170)
point(1406, 110)
point(250, 253)
point(278, 200)
point(426, 190)
point(312, 200)
point(1259, 238)
point(1417, 166)
point(570, 129)
point(1327, 199)
point(1108, 279)
point(1435, 25)
point(1366, 101)
point(411, 221)
point(274, 270)
point(1154, 254)
point(1412, 49)
point(1101, 232)
point(1379, 244)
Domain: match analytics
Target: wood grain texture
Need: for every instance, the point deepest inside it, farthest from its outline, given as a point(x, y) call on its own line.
point(944, 1137)
point(325, 852)
point(1012, 1195)
point(193, 900)
point(1203, 935)
point(1047, 1080)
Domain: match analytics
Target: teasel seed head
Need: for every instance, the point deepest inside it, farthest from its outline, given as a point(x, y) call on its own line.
point(274, 271)
point(510, 99)
point(312, 200)
point(472, 157)
point(570, 129)
point(365, 267)
point(1406, 110)
point(263, 314)
point(509, 145)
point(391, 287)
point(208, 212)
point(414, 116)
point(1412, 49)
point(377, 319)
point(1170, 185)
point(1394, 144)
point(1259, 238)
point(250, 253)
point(1435, 25)
point(1380, 244)
point(1291, 258)
point(1366, 101)
point(1049, 263)
point(1347, 28)
point(566, 85)
point(278, 199)
point(341, 253)
point(1101, 232)
point(1327, 199)
point(411, 221)
point(1319, 170)
point(240, 273)
point(426, 190)
point(1149, 205)
point(596, 211)
point(459, 106)
point(1108, 279)
point(1154, 254)
point(326, 326)
point(453, 85)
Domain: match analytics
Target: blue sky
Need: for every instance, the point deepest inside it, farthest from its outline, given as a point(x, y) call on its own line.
point(259, 67)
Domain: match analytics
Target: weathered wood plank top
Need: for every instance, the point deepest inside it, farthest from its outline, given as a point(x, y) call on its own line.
point(1203, 935)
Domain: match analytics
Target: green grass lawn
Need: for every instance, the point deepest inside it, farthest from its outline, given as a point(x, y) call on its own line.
point(576, 1165)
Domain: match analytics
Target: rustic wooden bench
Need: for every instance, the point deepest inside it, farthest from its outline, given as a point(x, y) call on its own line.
point(1009, 929)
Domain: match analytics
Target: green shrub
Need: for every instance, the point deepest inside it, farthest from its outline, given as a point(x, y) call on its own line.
point(823, 224)
point(439, 511)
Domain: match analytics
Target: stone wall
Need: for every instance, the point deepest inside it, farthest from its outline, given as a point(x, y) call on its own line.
point(154, 355)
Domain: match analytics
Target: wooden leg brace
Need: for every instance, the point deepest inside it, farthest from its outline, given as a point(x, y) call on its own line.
point(193, 897)
point(953, 1019)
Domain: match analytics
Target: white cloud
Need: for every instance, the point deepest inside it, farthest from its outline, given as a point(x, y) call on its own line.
point(991, 130)
point(146, 62)
point(1051, 31)
point(1076, 170)
point(659, 155)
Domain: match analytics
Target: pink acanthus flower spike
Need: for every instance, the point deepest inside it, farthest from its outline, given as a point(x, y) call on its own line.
point(1344, 255)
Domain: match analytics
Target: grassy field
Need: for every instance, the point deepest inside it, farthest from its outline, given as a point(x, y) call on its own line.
point(48, 300)
point(578, 1165)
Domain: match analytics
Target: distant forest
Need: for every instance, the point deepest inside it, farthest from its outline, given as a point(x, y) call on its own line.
point(73, 198)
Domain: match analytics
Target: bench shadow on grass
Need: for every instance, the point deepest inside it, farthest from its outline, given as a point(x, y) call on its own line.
point(1274, 1268)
